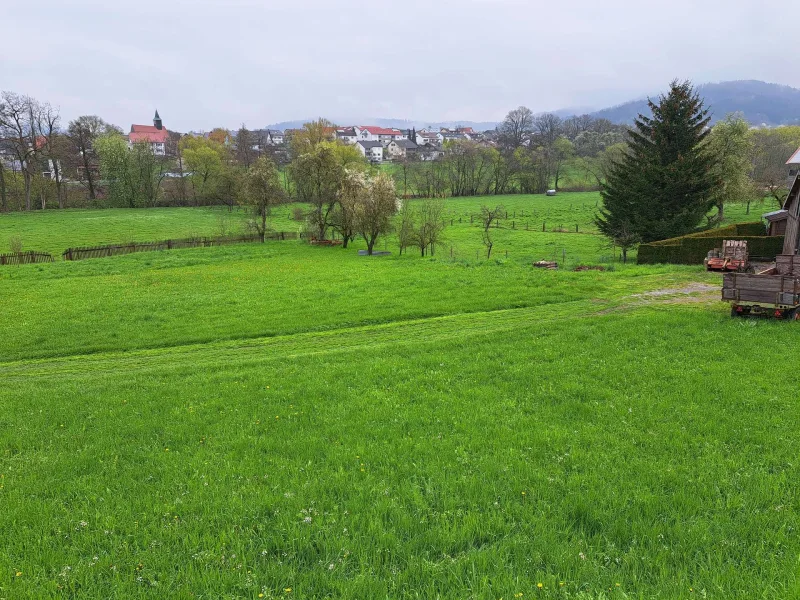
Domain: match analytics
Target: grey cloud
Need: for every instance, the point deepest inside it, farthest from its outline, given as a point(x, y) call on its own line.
point(204, 63)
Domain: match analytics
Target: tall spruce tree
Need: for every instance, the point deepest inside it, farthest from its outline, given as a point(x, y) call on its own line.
point(664, 184)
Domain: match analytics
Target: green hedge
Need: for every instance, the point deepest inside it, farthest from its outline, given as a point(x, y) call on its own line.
point(693, 248)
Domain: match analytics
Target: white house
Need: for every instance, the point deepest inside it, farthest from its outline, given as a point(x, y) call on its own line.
point(347, 135)
point(372, 150)
point(427, 137)
point(276, 137)
point(451, 137)
point(369, 133)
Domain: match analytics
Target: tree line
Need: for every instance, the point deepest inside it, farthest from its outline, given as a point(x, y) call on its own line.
point(46, 163)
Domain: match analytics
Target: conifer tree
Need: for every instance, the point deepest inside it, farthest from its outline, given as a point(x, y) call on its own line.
point(664, 184)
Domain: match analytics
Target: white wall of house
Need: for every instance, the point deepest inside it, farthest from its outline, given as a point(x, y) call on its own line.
point(426, 138)
point(395, 151)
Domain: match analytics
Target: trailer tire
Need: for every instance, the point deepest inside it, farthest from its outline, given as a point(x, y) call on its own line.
point(734, 312)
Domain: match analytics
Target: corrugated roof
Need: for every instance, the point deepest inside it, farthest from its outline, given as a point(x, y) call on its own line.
point(775, 215)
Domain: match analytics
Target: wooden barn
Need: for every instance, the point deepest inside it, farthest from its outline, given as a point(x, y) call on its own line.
point(792, 209)
point(776, 291)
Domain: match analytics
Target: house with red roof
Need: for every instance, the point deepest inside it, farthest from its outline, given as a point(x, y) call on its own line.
point(370, 133)
point(155, 134)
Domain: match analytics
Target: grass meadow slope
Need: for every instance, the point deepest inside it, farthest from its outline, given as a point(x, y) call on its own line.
point(285, 421)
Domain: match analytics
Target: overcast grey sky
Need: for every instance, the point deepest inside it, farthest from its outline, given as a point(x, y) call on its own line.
point(206, 63)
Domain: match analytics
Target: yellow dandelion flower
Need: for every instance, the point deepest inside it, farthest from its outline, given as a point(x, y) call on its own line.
point(261, 595)
point(19, 573)
point(287, 590)
point(540, 585)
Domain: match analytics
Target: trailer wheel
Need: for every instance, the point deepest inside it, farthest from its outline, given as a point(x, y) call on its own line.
point(734, 312)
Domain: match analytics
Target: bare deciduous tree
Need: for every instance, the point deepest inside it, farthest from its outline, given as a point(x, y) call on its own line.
point(516, 128)
point(83, 133)
point(245, 141)
point(548, 128)
point(430, 225)
point(489, 216)
point(24, 125)
point(405, 225)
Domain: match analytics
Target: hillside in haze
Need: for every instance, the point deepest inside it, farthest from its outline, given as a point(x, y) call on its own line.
point(760, 102)
point(399, 123)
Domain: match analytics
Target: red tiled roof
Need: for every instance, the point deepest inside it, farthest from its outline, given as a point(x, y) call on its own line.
point(380, 130)
point(148, 133)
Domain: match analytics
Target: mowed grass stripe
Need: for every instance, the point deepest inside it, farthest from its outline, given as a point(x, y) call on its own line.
point(312, 343)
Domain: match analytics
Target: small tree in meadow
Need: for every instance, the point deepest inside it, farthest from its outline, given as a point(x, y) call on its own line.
point(262, 191)
point(489, 216)
point(429, 225)
point(375, 208)
point(405, 225)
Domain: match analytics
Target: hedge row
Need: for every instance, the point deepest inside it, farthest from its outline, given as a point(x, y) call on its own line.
point(756, 229)
point(693, 248)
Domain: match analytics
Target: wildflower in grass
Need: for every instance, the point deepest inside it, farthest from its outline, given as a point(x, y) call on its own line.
point(261, 595)
point(307, 520)
point(288, 590)
point(83, 523)
point(582, 555)
point(19, 574)
point(561, 583)
point(540, 585)
point(518, 595)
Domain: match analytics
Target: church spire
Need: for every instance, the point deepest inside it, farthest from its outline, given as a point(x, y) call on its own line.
point(157, 121)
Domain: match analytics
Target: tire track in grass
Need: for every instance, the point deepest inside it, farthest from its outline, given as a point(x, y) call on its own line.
point(217, 354)
point(301, 344)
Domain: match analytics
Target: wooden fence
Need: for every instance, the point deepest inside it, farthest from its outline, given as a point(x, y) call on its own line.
point(25, 258)
point(132, 247)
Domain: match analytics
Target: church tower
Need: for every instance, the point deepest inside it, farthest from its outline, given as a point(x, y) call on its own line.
point(157, 122)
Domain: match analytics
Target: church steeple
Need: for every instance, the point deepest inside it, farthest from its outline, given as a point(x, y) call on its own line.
point(157, 121)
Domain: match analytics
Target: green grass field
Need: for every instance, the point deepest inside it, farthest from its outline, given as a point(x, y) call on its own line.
point(285, 421)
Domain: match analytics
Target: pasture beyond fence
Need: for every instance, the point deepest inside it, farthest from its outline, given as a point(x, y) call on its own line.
point(195, 242)
point(25, 258)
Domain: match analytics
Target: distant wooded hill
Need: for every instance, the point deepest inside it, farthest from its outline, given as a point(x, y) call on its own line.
point(398, 123)
point(759, 102)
